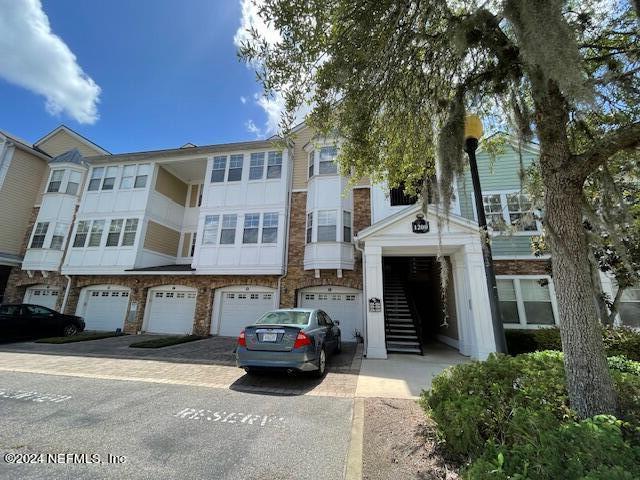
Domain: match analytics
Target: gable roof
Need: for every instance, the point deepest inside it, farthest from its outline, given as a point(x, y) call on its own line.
point(24, 145)
point(74, 134)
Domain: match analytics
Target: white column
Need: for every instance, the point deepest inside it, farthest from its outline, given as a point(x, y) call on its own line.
point(463, 305)
point(376, 347)
point(482, 339)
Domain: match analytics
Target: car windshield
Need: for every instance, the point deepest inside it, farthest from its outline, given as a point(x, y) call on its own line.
point(284, 318)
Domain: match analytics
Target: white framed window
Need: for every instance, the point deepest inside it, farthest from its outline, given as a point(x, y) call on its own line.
point(256, 166)
point(109, 180)
point(311, 161)
point(141, 175)
point(128, 177)
point(274, 165)
point(629, 307)
point(327, 163)
point(130, 230)
point(236, 163)
point(327, 225)
point(55, 182)
point(210, 232)
point(309, 227)
point(39, 234)
point(346, 226)
point(526, 301)
point(228, 230)
point(82, 231)
point(73, 184)
point(192, 249)
point(115, 229)
point(269, 227)
point(251, 226)
point(59, 232)
point(95, 236)
point(96, 178)
point(219, 167)
point(504, 209)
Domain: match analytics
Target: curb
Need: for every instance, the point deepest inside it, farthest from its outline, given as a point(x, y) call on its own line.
point(354, 456)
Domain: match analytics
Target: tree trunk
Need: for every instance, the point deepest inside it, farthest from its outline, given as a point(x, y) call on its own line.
point(589, 381)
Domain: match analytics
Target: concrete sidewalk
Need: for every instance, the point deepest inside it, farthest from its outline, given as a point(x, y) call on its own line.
point(405, 376)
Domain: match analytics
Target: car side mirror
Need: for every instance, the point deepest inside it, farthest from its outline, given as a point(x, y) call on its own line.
point(337, 322)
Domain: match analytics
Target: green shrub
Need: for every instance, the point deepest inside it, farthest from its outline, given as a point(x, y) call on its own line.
point(594, 449)
point(617, 341)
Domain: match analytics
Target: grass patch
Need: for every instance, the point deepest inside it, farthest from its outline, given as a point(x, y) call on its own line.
point(81, 337)
point(166, 341)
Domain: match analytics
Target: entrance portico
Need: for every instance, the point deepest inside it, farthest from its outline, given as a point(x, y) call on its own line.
point(459, 240)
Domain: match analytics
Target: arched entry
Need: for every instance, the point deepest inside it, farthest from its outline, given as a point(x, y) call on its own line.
point(170, 309)
point(103, 307)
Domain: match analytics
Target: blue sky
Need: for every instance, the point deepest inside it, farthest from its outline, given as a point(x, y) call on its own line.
point(167, 73)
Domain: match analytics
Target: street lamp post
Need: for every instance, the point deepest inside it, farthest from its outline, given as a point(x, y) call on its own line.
point(472, 134)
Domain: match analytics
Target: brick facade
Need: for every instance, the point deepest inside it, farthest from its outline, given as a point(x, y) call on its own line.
point(522, 267)
point(297, 277)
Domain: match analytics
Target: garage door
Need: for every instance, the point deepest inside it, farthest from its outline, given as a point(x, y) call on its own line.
point(240, 309)
point(341, 304)
point(46, 297)
point(171, 311)
point(105, 308)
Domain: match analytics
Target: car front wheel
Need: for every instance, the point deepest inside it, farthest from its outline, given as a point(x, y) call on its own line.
point(322, 364)
point(70, 330)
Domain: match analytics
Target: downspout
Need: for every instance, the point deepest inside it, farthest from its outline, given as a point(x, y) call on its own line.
point(287, 215)
point(364, 298)
point(66, 293)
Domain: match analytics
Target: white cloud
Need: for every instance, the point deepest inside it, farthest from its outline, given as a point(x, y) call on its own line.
point(33, 57)
point(251, 19)
point(243, 99)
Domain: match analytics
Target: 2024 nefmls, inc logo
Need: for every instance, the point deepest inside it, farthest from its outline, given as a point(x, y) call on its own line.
point(420, 225)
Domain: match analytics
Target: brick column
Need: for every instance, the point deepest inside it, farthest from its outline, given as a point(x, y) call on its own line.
point(204, 304)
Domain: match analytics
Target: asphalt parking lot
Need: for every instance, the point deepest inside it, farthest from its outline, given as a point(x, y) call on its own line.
point(138, 430)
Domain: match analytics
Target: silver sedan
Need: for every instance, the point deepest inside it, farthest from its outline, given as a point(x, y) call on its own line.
point(293, 339)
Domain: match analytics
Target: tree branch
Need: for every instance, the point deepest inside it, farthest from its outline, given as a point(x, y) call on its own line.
point(623, 138)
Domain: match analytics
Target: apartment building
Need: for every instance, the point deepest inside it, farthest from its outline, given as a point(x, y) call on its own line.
point(203, 239)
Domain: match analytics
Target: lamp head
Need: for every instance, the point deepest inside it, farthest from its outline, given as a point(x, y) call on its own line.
point(472, 127)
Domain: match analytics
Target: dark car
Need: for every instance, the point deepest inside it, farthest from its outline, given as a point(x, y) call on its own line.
point(34, 320)
point(298, 339)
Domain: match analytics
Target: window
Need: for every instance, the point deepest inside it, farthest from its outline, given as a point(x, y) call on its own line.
point(309, 226)
point(56, 181)
point(200, 187)
point(128, 176)
point(251, 225)
point(38, 235)
point(96, 177)
point(228, 231)
point(274, 165)
point(346, 226)
point(37, 310)
point(514, 209)
point(525, 301)
point(256, 168)
point(57, 240)
point(110, 178)
point(311, 163)
point(74, 182)
point(350, 298)
point(113, 237)
point(327, 164)
point(81, 233)
point(269, 227)
point(327, 226)
point(192, 250)
point(397, 196)
point(210, 233)
point(520, 213)
point(629, 307)
point(130, 229)
point(219, 167)
point(141, 177)
point(96, 233)
point(493, 211)
point(235, 168)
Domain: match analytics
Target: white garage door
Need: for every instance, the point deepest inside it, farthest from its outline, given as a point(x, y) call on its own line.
point(171, 311)
point(341, 304)
point(105, 308)
point(240, 309)
point(46, 297)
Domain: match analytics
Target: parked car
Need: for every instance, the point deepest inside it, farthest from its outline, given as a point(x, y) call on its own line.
point(34, 320)
point(295, 339)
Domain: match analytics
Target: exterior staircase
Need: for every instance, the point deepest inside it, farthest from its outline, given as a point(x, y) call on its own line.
point(400, 326)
